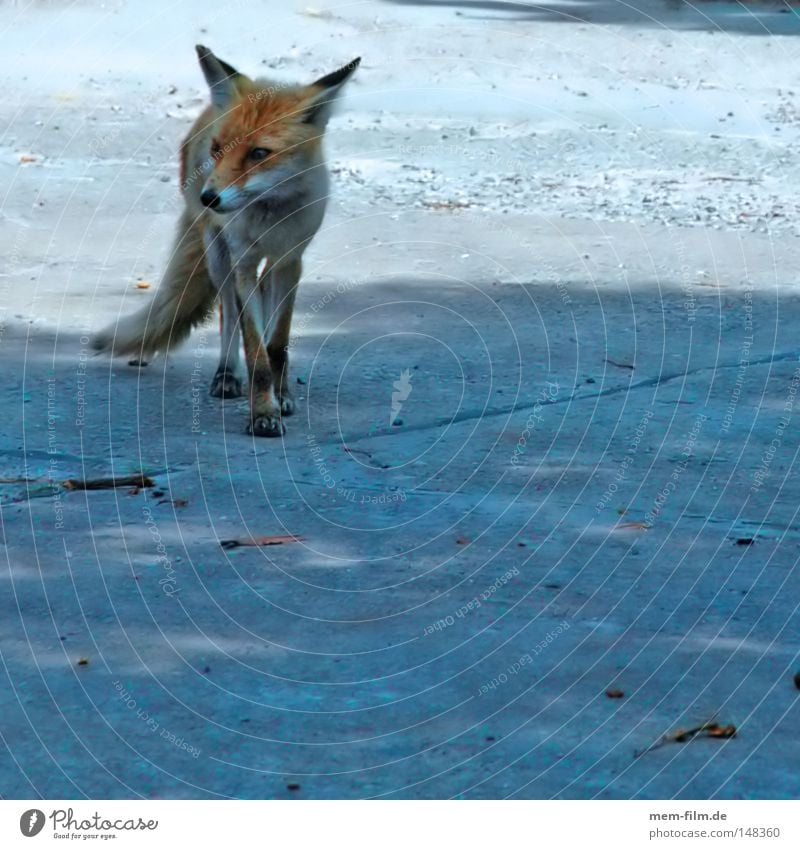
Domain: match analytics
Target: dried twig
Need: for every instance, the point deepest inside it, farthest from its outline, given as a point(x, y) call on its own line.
point(140, 480)
point(619, 365)
point(259, 541)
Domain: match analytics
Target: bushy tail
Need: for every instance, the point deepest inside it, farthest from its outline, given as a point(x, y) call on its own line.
point(183, 300)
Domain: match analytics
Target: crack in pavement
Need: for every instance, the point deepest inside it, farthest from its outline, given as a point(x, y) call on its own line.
point(468, 415)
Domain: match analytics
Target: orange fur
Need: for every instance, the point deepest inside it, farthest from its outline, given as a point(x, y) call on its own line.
point(261, 119)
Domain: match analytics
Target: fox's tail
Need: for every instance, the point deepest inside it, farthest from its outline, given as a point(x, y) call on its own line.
point(183, 300)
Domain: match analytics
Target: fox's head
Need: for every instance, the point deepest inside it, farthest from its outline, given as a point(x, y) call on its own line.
point(267, 136)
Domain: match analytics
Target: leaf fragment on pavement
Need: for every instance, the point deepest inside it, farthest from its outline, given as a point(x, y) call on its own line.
point(684, 735)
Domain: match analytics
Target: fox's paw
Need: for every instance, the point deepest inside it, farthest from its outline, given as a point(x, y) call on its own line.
point(225, 384)
point(287, 404)
point(269, 426)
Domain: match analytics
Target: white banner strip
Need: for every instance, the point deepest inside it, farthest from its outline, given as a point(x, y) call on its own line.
point(400, 824)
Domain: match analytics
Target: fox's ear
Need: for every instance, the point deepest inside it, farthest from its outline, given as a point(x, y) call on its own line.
point(322, 94)
point(221, 77)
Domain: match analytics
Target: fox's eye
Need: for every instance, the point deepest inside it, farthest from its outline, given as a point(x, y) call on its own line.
point(216, 148)
point(259, 153)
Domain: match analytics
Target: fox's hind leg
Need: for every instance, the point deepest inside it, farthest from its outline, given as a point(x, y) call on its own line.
point(226, 382)
point(280, 296)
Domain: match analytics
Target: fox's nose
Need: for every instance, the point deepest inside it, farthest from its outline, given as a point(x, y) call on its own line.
point(209, 198)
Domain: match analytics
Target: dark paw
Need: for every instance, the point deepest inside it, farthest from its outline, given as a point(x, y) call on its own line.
point(269, 426)
point(226, 385)
point(287, 405)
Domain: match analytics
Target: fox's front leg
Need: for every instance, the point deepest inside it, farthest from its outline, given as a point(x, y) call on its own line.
point(282, 290)
point(265, 411)
point(226, 383)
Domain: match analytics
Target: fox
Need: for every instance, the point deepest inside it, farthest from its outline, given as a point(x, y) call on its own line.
point(255, 187)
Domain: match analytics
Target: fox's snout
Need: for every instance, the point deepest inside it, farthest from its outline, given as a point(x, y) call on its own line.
point(223, 200)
